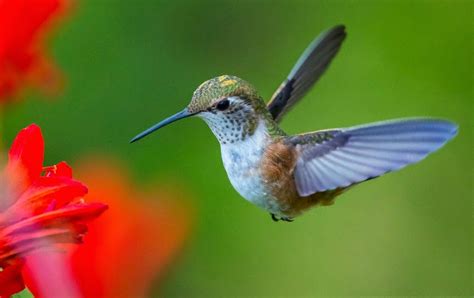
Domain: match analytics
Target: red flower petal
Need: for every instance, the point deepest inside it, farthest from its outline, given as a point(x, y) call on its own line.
point(41, 195)
point(23, 24)
point(38, 211)
point(80, 212)
point(16, 245)
point(61, 169)
point(21, 21)
point(11, 280)
point(25, 158)
point(43, 266)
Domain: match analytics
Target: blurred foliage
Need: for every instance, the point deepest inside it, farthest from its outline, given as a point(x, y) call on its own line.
point(130, 64)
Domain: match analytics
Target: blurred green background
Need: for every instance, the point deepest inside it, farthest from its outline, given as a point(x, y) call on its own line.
point(131, 63)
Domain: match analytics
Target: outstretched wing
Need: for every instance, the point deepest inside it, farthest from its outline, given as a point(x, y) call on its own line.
point(307, 70)
point(338, 158)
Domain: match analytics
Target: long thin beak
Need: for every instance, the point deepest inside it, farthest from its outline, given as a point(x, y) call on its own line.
point(181, 115)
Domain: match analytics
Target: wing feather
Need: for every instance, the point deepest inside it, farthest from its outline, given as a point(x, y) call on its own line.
point(339, 158)
point(307, 70)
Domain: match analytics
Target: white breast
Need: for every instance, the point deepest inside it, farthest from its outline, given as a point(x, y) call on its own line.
point(241, 161)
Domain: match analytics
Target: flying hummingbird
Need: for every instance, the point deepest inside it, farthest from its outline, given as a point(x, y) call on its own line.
point(286, 175)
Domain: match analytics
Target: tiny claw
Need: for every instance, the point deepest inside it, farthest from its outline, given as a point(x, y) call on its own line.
point(274, 218)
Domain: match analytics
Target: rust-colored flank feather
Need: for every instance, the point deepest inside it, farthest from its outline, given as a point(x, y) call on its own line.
point(277, 168)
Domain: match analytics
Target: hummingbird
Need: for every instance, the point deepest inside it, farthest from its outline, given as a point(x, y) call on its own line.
point(288, 174)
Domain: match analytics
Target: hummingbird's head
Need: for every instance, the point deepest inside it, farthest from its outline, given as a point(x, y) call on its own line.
point(210, 93)
point(229, 105)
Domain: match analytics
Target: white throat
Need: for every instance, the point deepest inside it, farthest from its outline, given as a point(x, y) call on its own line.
point(246, 152)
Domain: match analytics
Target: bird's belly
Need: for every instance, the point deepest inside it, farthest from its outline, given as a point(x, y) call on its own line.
point(243, 170)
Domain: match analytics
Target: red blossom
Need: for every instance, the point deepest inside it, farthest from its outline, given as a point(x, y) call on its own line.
point(131, 245)
point(39, 207)
point(23, 57)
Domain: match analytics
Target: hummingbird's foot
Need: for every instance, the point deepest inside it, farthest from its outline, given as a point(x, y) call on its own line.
point(287, 219)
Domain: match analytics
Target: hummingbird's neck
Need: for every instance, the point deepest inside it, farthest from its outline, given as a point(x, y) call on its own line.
point(272, 127)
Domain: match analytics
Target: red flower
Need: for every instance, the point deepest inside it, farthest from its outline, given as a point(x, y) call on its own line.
point(129, 246)
point(39, 207)
point(23, 58)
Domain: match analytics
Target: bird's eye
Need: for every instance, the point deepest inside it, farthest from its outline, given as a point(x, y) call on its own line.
point(223, 105)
